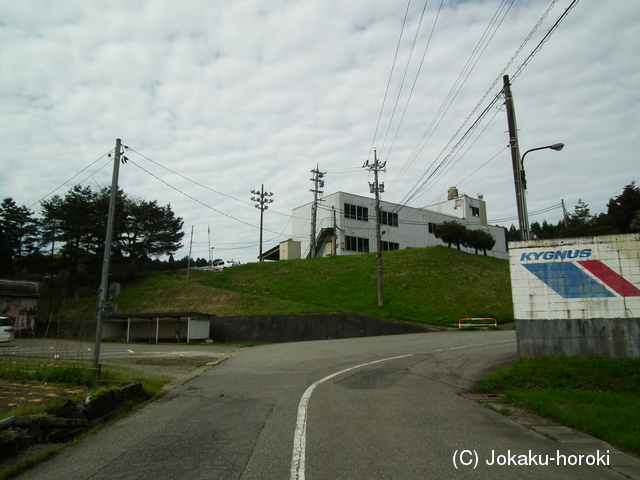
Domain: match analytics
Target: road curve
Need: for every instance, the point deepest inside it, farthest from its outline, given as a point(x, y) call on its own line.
point(366, 408)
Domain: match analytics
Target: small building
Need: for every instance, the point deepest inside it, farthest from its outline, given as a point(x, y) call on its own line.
point(18, 300)
point(346, 224)
point(156, 326)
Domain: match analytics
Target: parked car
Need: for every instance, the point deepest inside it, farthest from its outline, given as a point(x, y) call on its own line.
point(7, 330)
point(220, 265)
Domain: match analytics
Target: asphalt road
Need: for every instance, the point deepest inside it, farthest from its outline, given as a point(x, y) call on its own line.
point(367, 408)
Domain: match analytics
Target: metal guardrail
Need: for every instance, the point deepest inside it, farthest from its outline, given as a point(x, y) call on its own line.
point(494, 324)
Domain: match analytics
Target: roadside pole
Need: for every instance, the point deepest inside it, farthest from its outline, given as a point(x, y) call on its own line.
point(104, 283)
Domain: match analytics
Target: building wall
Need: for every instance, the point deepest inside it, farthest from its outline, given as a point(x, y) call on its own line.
point(577, 296)
point(290, 250)
point(18, 300)
point(472, 210)
point(414, 227)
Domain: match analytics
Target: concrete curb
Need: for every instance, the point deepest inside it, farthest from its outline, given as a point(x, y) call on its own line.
point(182, 379)
point(574, 440)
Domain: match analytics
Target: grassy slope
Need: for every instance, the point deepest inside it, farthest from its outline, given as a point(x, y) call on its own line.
point(435, 285)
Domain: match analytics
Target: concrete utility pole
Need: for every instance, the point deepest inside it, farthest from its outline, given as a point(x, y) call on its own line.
point(189, 258)
point(564, 215)
point(377, 188)
point(318, 183)
point(521, 200)
point(262, 199)
point(104, 283)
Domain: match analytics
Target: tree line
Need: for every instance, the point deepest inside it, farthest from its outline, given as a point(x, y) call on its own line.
point(622, 216)
point(454, 233)
point(66, 241)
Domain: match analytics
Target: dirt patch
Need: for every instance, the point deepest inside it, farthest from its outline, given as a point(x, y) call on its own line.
point(180, 362)
point(22, 393)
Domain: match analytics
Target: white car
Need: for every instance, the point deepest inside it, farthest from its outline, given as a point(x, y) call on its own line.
point(220, 265)
point(7, 330)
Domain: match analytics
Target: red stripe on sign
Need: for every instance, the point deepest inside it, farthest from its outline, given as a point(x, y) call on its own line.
point(611, 278)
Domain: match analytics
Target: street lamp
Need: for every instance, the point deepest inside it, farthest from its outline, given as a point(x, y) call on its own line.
point(524, 227)
point(262, 199)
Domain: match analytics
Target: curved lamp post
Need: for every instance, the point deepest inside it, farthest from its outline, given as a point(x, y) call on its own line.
point(524, 222)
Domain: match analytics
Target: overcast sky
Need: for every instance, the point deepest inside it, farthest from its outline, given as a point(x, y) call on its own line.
point(233, 94)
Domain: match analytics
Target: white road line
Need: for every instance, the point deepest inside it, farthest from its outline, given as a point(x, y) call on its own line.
point(300, 435)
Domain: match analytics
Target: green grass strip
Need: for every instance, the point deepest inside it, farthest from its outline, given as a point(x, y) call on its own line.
point(599, 396)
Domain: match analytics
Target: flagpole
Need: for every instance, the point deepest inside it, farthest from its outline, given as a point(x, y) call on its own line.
point(209, 234)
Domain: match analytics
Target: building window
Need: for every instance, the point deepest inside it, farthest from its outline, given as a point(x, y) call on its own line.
point(475, 211)
point(356, 244)
point(388, 218)
point(356, 212)
point(432, 227)
point(386, 246)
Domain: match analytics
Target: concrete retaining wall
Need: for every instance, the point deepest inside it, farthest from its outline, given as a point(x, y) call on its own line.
point(266, 328)
point(312, 326)
point(616, 338)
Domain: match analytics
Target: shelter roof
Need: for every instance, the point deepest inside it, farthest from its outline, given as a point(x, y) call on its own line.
point(154, 315)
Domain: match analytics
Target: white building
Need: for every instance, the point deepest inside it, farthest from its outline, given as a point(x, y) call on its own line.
point(345, 224)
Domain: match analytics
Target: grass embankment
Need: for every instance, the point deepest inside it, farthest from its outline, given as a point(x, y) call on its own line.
point(434, 285)
point(599, 396)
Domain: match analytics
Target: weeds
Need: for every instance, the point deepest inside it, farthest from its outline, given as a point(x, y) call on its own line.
point(599, 396)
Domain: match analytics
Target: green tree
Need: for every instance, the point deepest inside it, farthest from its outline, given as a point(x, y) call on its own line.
point(623, 209)
point(479, 240)
point(451, 233)
point(146, 230)
point(77, 222)
point(634, 226)
point(78, 226)
point(20, 236)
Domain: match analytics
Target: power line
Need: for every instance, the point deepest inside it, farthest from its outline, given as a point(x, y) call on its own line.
point(375, 133)
point(531, 214)
point(196, 200)
point(416, 190)
point(65, 183)
point(415, 80)
point(188, 179)
point(455, 89)
point(404, 76)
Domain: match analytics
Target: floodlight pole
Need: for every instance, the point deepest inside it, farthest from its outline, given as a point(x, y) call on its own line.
point(104, 283)
point(262, 199)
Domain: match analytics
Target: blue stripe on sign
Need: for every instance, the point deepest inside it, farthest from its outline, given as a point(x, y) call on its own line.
point(567, 280)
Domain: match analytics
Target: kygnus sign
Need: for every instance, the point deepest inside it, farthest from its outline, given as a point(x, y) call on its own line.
point(577, 296)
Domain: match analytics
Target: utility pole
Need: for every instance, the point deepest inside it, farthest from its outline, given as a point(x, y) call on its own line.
point(377, 188)
point(318, 183)
point(104, 283)
point(263, 200)
point(516, 161)
point(189, 258)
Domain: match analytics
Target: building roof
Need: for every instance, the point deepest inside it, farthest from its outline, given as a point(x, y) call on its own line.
point(16, 288)
point(154, 315)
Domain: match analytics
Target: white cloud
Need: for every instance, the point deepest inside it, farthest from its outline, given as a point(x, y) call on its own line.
point(235, 94)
